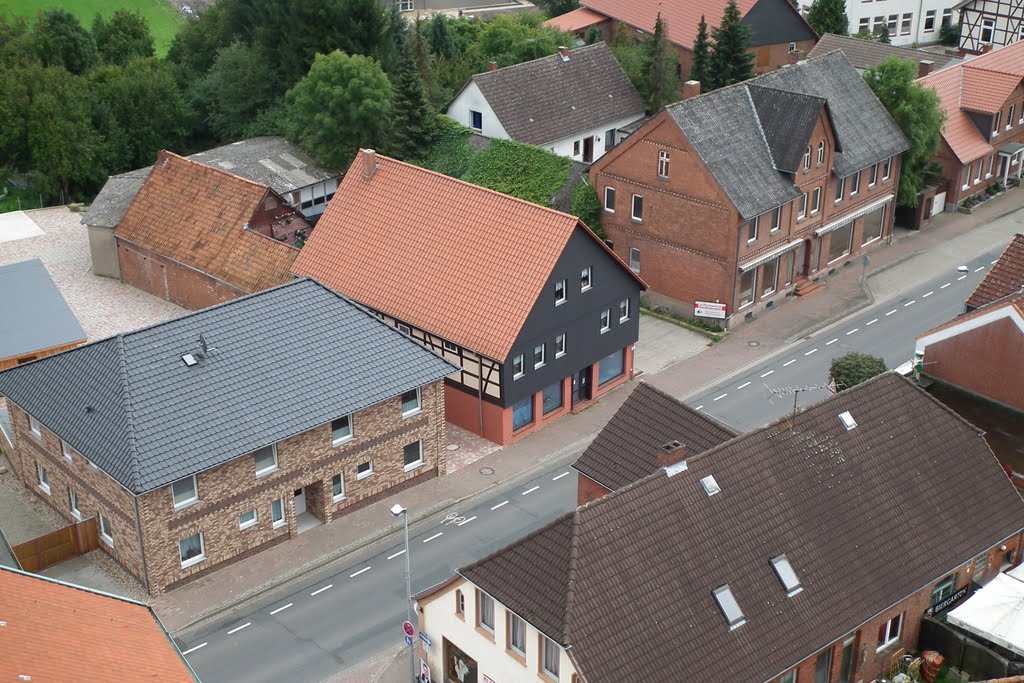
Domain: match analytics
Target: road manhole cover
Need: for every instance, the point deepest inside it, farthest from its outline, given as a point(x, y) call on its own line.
point(487, 471)
point(453, 446)
point(753, 343)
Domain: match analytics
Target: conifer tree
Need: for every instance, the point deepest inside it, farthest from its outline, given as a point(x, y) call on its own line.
point(701, 54)
point(731, 61)
point(661, 66)
point(828, 16)
point(413, 121)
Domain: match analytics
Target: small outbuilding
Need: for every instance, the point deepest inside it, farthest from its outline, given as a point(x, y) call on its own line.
point(37, 321)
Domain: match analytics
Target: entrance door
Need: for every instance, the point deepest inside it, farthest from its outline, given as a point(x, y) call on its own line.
point(803, 258)
point(300, 501)
point(588, 149)
point(581, 386)
point(846, 663)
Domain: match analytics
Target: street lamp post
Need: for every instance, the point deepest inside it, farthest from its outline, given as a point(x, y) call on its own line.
point(399, 511)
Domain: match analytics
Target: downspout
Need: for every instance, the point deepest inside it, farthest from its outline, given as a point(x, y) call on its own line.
point(480, 393)
point(736, 270)
point(142, 550)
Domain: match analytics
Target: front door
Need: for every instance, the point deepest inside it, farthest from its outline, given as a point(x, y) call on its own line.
point(581, 386)
point(300, 501)
point(588, 149)
point(803, 258)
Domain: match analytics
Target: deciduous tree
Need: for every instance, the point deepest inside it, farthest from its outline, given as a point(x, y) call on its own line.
point(60, 40)
point(235, 90)
point(853, 368)
point(123, 37)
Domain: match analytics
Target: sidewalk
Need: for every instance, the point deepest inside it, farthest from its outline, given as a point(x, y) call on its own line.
point(912, 259)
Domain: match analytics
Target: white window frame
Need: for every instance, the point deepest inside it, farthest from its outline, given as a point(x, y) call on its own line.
point(544, 663)
point(188, 501)
point(480, 114)
point(634, 251)
point(891, 634)
point(996, 123)
point(663, 164)
point(560, 345)
point(586, 278)
point(815, 200)
point(266, 470)
point(520, 362)
point(989, 24)
point(449, 346)
point(481, 600)
point(807, 158)
point(44, 478)
point(609, 206)
point(65, 450)
point(198, 558)
point(855, 185)
point(73, 504)
point(403, 328)
point(106, 534)
point(752, 225)
point(624, 310)
point(416, 463)
point(887, 169)
point(873, 178)
point(801, 207)
point(278, 523)
point(541, 350)
point(632, 208)
point(35, 427)
point(966, 172)
point(906, 23)
point(565, 291)
point(249, 522)
point(340, 476)
point(606, 320)
point(776, 220)
point(991, 163)
point(977, 174)
point(367, 473)
point(788, 677)
point(821, 152)
point(419, 403)
point(929, 15)
point(842, 190)
point(339, 440)
point(1009, 116)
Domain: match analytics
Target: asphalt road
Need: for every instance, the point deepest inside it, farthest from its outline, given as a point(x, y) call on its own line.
point(351, 610)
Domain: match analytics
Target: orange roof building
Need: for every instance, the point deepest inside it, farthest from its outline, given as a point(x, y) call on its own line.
point(539, 313)
point(198, 236)
point(983, 135)
point(52, 632)
point(1005, 277)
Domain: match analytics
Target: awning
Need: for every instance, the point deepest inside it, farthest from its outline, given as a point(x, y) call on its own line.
point(765, 258)
point(853, 215)
point(995, 613)
point(1010, 148)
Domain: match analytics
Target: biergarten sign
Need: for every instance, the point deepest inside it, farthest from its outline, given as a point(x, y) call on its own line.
point(942, 605)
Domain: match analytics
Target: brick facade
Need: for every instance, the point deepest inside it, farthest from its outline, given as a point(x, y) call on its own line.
point(306, 462)
point(170, 280)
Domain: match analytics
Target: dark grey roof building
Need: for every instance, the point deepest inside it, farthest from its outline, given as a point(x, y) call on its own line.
point(150, 407)
point(36, 319)
point(866, 54)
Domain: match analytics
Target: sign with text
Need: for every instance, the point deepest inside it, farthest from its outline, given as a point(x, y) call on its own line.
point(708, 309)
point(944, 605)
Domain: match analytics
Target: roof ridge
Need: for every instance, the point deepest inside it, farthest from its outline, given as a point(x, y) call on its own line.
point(168, 153)
point(581, 48)
point(126, 401)
point(68, 584)
point(570, 590)
point(709, 418)
point(760, 128)
point(901, 48)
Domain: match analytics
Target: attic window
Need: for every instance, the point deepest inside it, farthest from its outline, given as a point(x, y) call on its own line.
point(189, 359)
point(730, 608)
point(784, 570)
point(847, 419)
point(711, 486)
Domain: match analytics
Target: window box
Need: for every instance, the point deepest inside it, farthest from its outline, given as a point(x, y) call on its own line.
point(190, 550)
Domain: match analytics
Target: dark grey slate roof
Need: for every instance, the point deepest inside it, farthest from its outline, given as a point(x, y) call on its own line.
point(271, 161)
point(787, 120)
point(286, 360)
point(549, 98)
point(726, 131)
point(776, 21)
point(34, 314)
point(865, 54)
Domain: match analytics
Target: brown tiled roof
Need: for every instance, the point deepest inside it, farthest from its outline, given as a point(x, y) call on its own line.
point(975, 84)
point(627, 448)
point(459, 260)
point(1014, 300)
point(862, 516)
point(576, 20)
point(1005, 277)
point(865, 54)
point(55, 631)
point(196, 215)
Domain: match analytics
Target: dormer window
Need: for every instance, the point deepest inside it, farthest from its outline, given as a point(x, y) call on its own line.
point(821, 153)
point(730, 608)
point(784, 570)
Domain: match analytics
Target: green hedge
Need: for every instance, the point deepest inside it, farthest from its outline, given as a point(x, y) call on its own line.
point(523, 171)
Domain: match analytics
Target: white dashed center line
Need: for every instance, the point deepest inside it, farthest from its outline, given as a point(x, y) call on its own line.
point(466, 521)
point(856, 329)
point(890, 312)
point(814, 350)
point(193, 649)
point(431, 538)
point(767, 373)
point(979, 268)
point(282, 608)
point(925, 296)
point(394, 555)
point(239, 628)
point(789, 362)
point(945, 285)
point(719, 398)
point(318, 591)
point(872, 321)
point(961, 277)
point(504, 502)
point(563, 474)
point(354, 575)
point(745, 384)
point(531, 490)
point(831, 341)
point(699, 408)
point(910, 303)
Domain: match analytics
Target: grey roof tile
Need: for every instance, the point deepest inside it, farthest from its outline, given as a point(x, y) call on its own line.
point(36, 317)
point(787, 119)
point(549, 98)
point(865, 54)
point(643, 561)
point(286, 360)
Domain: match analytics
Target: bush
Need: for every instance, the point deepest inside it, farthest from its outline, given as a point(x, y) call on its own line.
point(523, 171)
point(587, 207)
point(950, 35)
point(853, 368)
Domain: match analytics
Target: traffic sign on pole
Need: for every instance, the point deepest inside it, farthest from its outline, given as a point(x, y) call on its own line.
point(408, 641)
point(409, 630)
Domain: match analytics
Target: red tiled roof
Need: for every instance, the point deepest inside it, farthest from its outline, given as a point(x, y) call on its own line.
point(682, 17)
point(195, 214)
point(58, 632)
point(1005, 277)
point(459, 260)
point(576, 20)
point(1015, 302)
point(979, 84)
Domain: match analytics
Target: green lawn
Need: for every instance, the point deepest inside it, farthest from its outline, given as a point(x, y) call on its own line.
point(163, 19)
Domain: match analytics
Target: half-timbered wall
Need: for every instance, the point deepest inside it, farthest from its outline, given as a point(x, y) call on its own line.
point(992, 23)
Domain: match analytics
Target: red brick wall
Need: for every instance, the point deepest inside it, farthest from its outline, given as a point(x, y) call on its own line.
point(587, 490)
point(170, 280)
point(982, 361)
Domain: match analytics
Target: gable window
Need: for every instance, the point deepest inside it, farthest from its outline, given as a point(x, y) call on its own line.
point(412, 455)
point(638, 208)
point(777, 219)
point(730, 608)
point(522, 413)
point(606, 320)
point(73, 503)
point(585, 278)
point(518, 367)
point(44, 479)
point(1009, 117)
point(663, 161)
point(995, 124)
point(560, 345)
point(190, 550)
point(550, 653)
point(538, 356)
point(987, 29)
point(265, 460)
point(873, 178)
point(801, 209)
point(807, 158)
point(341, 430)
point(634, 259)
point(908, 19)
point(887, 169)
point(929, 21)
point(560, 291)
point(855, 184)
point(476, 120)
point(484, 611)
point(411, 402)
point(106, 531)
point(65, 450)
point(516, 633)
point(840, 188)
point(609, 199)
point(364, 469)
point(460, 604)
point(624, 310)
point(185, 492)
point(821, 153)
point(35, 427)
point(277, 513)
point(752, 229)
point(889, 632)
point(247, 519)
point(338, 487)
point(815, 200)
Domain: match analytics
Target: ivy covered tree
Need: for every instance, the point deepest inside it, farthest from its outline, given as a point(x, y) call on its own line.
point(123, 37)
point(661, 65)
point(828, 16)
point(412, 128)
point(699, 67)
point(731, 61)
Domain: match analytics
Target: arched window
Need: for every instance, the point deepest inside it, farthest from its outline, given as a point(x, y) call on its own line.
point(821, 153)
point(807, 158)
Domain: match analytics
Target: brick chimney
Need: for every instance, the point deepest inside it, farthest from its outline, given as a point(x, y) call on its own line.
point(370, 164)
point(691, 89)
point(671, 453)
point(564, 52)
point(492, 66)
point(924, 67)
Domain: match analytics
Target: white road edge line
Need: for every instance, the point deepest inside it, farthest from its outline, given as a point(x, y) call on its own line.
point(910, 303)
point(856, 329)
point(530, 490)
point(193, 649)
point(789, 362)
point(872, 321)
point(925, 296)
point(979, 268)
point(394, 555)
point(961, 277)
point(718, 398)
point(945, 285)
point(239, 628)
point(767, 373)
point(563, 474)
point(745, 384)
point(431, 538)
point(281, 609)
point(499, 505)
point(993, 262)
point(466, 521)
point(699, 408)
point(890, 312)
point(364, 569)
point(318, 591)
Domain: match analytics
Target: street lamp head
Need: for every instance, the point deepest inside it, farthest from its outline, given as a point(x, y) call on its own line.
point(397, 510)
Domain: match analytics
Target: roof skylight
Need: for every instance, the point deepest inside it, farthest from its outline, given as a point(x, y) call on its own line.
point(784, 570)
point(730, 608)
point(711, 486)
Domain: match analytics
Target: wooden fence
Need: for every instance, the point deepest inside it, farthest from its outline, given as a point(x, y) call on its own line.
point(57, 546)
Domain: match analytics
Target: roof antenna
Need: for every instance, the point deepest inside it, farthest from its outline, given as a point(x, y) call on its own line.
point(795, 391)
point(206, 349)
